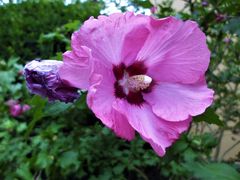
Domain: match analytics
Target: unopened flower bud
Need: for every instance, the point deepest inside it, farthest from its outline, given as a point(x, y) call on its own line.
point(220, 17)
point(43, 79)
point(204, 3)
point(153, 9)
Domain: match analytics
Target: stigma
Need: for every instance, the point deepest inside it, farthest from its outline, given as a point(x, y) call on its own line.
point(135, 83)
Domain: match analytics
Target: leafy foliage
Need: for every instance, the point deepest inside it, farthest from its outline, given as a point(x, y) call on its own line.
point(21, 24)
point(213, 171)
point(210, 117)
point(66, 141)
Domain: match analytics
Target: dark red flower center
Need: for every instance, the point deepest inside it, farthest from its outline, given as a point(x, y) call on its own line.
point(131, 82)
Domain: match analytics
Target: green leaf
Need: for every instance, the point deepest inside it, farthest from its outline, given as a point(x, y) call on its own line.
point(71, 26)
point(142, 3)
point(44, 160)
point(210, 117)
point(38, 105)
point(208, 140)
point(7, 77)
point(68, 158)
point(213, 171)
point(233, 26)
point(12, 61)
point(118, 169)
point(21, 127)
point(53, 109)
point(8, 124)
point(24, 172)
point(179, 146)
point(189, 155)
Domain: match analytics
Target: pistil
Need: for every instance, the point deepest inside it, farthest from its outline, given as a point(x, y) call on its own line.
point(134, 83)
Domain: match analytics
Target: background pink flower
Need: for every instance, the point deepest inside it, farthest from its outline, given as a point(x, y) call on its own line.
point(16, 109)
point(25, 107)
point(142, 74)
point(153, 9)
point(11, 102)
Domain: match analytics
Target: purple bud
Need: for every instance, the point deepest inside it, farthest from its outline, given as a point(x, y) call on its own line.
point(204, 3)
point(153, 9)
point(43, 79)
point(227, 40)
point(220, 17)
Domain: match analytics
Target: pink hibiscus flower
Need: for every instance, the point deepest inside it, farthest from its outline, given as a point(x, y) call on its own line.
point(142, 74)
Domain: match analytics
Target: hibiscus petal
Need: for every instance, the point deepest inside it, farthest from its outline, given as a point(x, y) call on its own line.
point(100, 99)
point(132, 44)
point(175, 51)
point(180, 127)
point(176, 102)
point(121, 127)
point(158, 132)
point(77, 68)
point(113, 39)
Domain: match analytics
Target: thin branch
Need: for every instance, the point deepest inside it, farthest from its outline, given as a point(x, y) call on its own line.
point(229, 149)
point(219, 145)
point(140, 173)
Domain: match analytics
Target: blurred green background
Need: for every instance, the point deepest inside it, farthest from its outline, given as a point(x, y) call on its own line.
point(66, 141)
